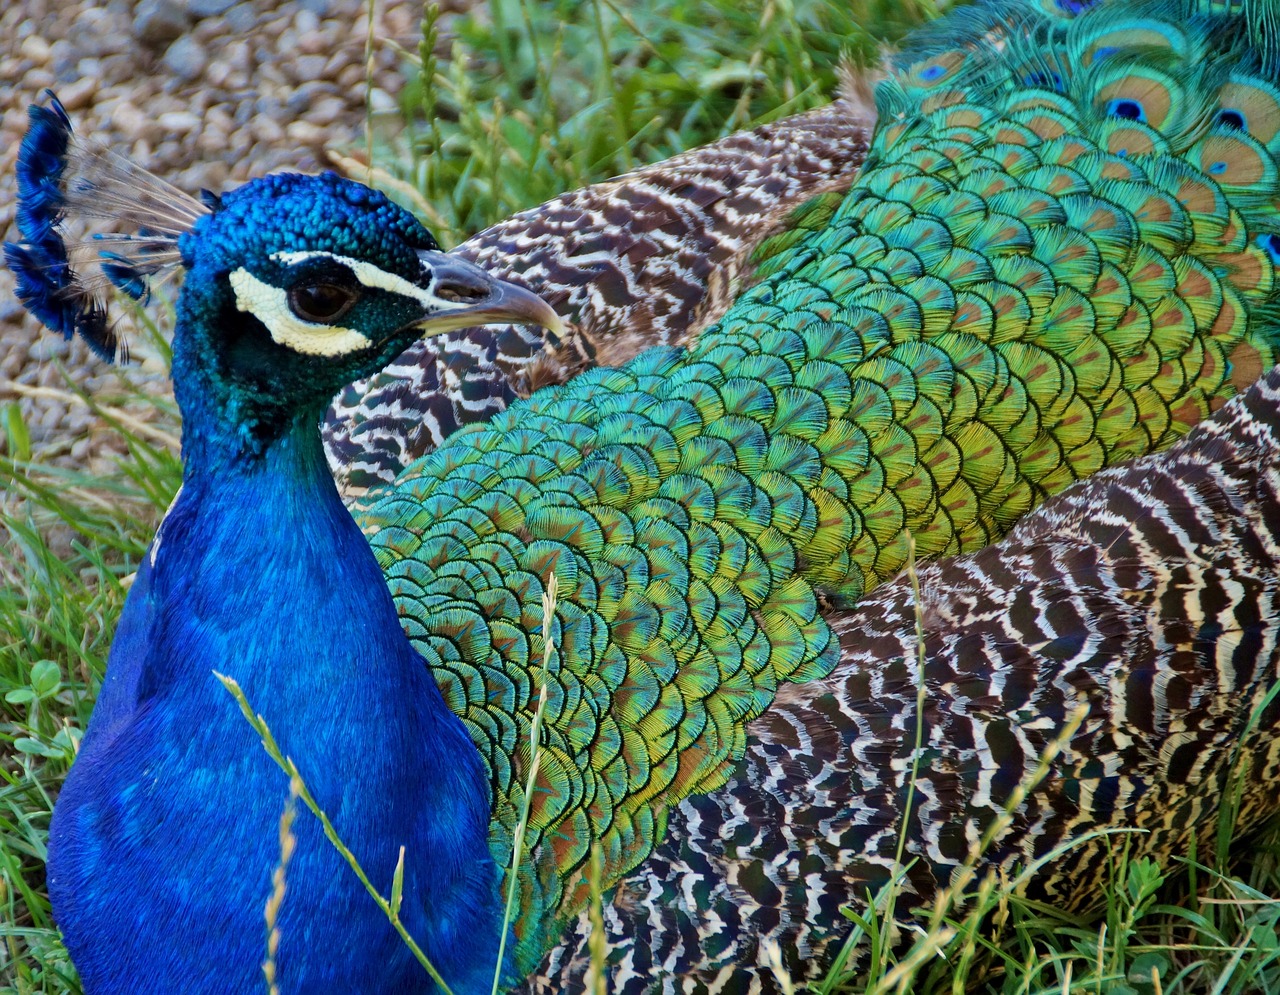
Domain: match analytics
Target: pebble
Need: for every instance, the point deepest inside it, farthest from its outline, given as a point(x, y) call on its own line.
point(306, 133)
point(186, 58)
point(381, 101)
point(158, 22)
point(264, 129)
point(49, 347)
point(325, 112)
point(36, 49)
point(178, 121)
point(130, 120)
point(76, 96)
point(309, 67)
point(208, 8)
point(240, 19)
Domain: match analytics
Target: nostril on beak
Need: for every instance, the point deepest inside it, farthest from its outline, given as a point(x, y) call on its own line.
point(461, 291)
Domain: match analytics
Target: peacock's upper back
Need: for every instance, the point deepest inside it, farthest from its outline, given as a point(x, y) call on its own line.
point(649, 258)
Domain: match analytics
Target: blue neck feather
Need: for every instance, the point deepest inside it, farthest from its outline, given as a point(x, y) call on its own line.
point(165, 838)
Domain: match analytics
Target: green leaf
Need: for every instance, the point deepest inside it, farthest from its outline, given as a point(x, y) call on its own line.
point(20, 696)
point(397, 885)
point(46, 678)
point(33, 746)
point(1142, 966)
point(15, 430)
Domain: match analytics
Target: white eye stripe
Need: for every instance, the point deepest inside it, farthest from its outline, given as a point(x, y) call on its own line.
point(364, 271)
point(270, 305)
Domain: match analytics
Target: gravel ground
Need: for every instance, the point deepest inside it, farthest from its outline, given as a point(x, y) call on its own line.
point(205, 93)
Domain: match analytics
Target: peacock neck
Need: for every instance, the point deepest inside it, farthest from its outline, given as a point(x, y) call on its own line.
point(259, 572)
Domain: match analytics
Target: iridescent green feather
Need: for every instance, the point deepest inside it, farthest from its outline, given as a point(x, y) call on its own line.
point(1059, 255)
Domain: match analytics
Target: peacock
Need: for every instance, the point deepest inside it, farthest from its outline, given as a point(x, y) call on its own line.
point(1059, 255)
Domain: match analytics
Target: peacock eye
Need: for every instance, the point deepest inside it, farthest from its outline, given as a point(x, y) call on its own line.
point(324, 303)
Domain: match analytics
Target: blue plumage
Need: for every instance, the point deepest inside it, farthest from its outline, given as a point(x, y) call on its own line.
point(63, 275)
point(168, 764)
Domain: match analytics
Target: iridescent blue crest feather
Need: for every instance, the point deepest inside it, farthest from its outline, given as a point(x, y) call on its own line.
point(89, 220)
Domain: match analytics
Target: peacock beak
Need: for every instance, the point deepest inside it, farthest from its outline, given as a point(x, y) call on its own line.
point(462, 295)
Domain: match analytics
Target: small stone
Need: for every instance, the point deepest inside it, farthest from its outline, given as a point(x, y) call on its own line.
point(237, 55)
point(186, 59)
point(62, 52)
point(211, 143)
point(399, 20)
point(66, 72)
point(381, 102)
point(241, 18)
point(97, 32)
point(302, 98)
point(48, 347)
point(178, 122)
point(76, 96)
point(313, 43)
point(217, 73)
point(306, 22)
point(37, 79)
point(208, 8)
point(168, 153)
point(264, 129)
point(270, 72)
point(131, 121)
point(309, 67)
point(119, 67)
point(268, 104)
point(326, 111)
point(36, 49)
point(320, 8)
point(306, 133)
point(218, 120)
point(158, 22)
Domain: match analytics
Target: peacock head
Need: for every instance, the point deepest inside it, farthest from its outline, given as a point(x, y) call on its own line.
point(297, 285)
point(293, 285)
